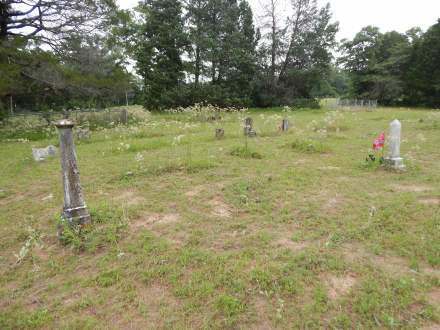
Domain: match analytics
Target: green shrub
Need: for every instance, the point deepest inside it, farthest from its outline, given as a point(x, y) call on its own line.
point(308, 146)
point(244, 152)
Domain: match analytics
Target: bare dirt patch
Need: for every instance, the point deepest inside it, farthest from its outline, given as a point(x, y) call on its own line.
point(392, 264)
point(220, 208)
point(149, 220)
point(430, 201)
point(130, 198)
point(287, 243)
point(263, 322)
point(159, 303)
point(356, 252)
point(329, 168)
point(431, 326)
point(338, 286)
point(418, 188)
point(330, 203)
point(195, 191)
point(434, 297)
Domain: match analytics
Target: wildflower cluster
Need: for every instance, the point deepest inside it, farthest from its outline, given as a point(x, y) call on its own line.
point(204, 112)
point(330, 123)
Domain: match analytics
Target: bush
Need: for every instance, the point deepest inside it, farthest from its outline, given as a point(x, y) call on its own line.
point(308, 146)
point(304, 103)
point(244, 152)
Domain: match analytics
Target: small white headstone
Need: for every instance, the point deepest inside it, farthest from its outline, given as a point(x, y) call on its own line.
point(43, 153)
point(394, 159)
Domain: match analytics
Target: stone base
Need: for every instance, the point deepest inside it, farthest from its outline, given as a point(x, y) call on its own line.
point(77, 216)
point(395, 163)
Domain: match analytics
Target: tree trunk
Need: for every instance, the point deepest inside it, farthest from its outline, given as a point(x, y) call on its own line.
point(4, 16)
point(197, 66)
point(292, 39)
point(274, 43)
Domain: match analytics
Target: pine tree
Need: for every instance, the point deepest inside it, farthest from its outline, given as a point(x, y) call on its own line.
point(159, 52)
point(195, 19)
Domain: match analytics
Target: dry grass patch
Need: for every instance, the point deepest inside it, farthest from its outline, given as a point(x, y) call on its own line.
point(148, 221)
point(330, 203)
point(291, 245)
point(394, 265)
point(434, 297)
point(355, 252)
point(338, 286)
point(195, 191)
point(431, 326)
point(430, 200)
point(415, 188)
point(220, 208)
point(157, 303)
point(130, 198)
point(262, 306)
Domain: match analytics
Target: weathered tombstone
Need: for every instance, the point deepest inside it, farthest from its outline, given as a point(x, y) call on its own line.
point(40, 154)
point(74, 209)
point(248, 128)
point(394, 160)
point(285, 125)
point(219, 133)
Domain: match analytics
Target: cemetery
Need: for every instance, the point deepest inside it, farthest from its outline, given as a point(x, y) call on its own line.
point(219, 164)
point(214, 218)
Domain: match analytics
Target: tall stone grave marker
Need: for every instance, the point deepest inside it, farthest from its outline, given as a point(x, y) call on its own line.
point(394, 160)
point(285, 125)
point(248, 127)
point(74, 209)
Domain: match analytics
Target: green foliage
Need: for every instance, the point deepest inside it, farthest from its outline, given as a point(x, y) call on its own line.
point(423, 75)
point(84, 73)
point(158, 52)
point(108, 224)
point(107, 279)
point(229, 306)
point(308, 146)
point(394, 68)
point(245, 152)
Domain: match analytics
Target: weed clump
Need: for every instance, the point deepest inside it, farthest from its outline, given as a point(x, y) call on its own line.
point(308, 146)
point(244, 152)
point(106, 229)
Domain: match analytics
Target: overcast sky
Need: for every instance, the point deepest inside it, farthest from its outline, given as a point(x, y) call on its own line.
point(388, 15)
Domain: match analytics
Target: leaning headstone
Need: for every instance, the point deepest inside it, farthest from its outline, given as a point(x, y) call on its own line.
point(285, 125)
point(219, 133)
point(82, 133)
point(394, 160)
point(74, 209)
point(43, 153)
point(248, 127)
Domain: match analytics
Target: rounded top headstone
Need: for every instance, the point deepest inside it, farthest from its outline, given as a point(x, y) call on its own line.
point(64, 123)
point(396, 122)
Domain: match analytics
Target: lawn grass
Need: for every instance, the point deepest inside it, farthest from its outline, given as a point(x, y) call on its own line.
point(282, 231)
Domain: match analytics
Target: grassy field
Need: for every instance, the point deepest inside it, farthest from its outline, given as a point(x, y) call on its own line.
point(283, 231)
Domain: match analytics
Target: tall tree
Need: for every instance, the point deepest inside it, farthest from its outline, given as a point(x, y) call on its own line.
point(297, 56)
point(422, 79)
point(271, 38)
point(48, 21)
point(159, 51)
point(195, 19)
point(376, 63)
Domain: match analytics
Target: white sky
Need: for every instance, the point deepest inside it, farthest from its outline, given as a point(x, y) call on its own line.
point(388, 15)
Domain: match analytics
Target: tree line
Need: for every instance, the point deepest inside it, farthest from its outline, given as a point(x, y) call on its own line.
point(66, 54)
point(394, 68)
